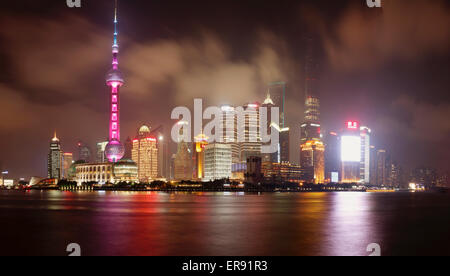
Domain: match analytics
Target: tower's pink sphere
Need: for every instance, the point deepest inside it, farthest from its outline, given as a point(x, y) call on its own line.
point(114, 151)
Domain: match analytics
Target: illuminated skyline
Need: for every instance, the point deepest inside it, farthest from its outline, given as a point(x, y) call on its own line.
point(401, 93)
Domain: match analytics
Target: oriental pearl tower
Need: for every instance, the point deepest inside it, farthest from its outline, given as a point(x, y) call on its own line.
point(114, 150)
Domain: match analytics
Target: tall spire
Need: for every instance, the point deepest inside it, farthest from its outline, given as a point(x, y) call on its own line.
point(55, 138)
point(116, 42)
point(115, 23)
point(114, 79)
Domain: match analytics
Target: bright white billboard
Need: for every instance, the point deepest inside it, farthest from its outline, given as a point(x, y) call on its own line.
point(351, 149)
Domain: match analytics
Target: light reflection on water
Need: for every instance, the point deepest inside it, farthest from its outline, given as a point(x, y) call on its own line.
point(155, 223)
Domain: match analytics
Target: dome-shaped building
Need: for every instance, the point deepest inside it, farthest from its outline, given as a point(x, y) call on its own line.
point(115, 76)
point(144, 131)
point(145, 154)
point(114, 151)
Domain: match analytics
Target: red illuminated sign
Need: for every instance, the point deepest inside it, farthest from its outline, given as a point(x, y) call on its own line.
point(352, 125)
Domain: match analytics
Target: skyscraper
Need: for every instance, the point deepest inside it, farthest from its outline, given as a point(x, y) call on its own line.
point(282, 153)
point(365, 155)
point(229, 126)
point(332, 157)
point(373, 165)
point(313, 161)
point(351, 153)
point(101, 156)
point(381, 168)
point(217, 161)
point(67, 161)
point(311, 127)
point(394, 175)
point(312, 148)
point(182, 160)
point(128, 148)
point(277, 92)
point(54, 159)
point(269, 104)
point(198, 156)
point(251, 146)
point(163, 151)
point(84, 152)
point(145, 155)
point(114, 79)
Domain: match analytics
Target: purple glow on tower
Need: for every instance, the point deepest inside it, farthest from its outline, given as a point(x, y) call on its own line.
point(114, 79)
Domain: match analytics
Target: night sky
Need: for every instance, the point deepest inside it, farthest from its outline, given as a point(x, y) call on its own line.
point(387, 68)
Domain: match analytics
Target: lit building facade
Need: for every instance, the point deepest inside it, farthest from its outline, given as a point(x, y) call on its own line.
point(101, 156)
point(282, 151)
point(163, 152)
point(251, 146)
point(351, 153)
point(254, 173)
point(182, 161)
point(394, 174)
point(277, 94)
point(107, 173)
point(282, 172)
point(381, 168)
point(312, 148)
point(145, 154)
point(67, 161)
point(84, 152)
point(332, 157)
point(365, 155)
point(198, 156)
point(55, 159)
point(313, 161)
point(238, 171)
point(373, 165)
point(218, 161)
point(229, 130)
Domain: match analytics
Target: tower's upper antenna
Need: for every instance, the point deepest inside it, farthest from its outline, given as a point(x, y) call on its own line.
point(115, 23)
point(115, 12)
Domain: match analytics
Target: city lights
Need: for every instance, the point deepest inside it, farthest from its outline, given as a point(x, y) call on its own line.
point(351, 149)
point(247, 130)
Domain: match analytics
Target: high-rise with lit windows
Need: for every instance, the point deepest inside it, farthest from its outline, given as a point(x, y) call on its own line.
point(145, 155)
point(182, 161)
point(365, 155)
point(229, 129)
point(55, 159)
point(251, 144)
point(217, 161)
point(67, 161)
point(312, 148)
point(198, 156)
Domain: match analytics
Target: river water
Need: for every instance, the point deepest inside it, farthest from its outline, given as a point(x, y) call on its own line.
point(224, 224)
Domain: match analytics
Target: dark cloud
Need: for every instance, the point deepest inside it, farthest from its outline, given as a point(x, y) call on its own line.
point(401, 31)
